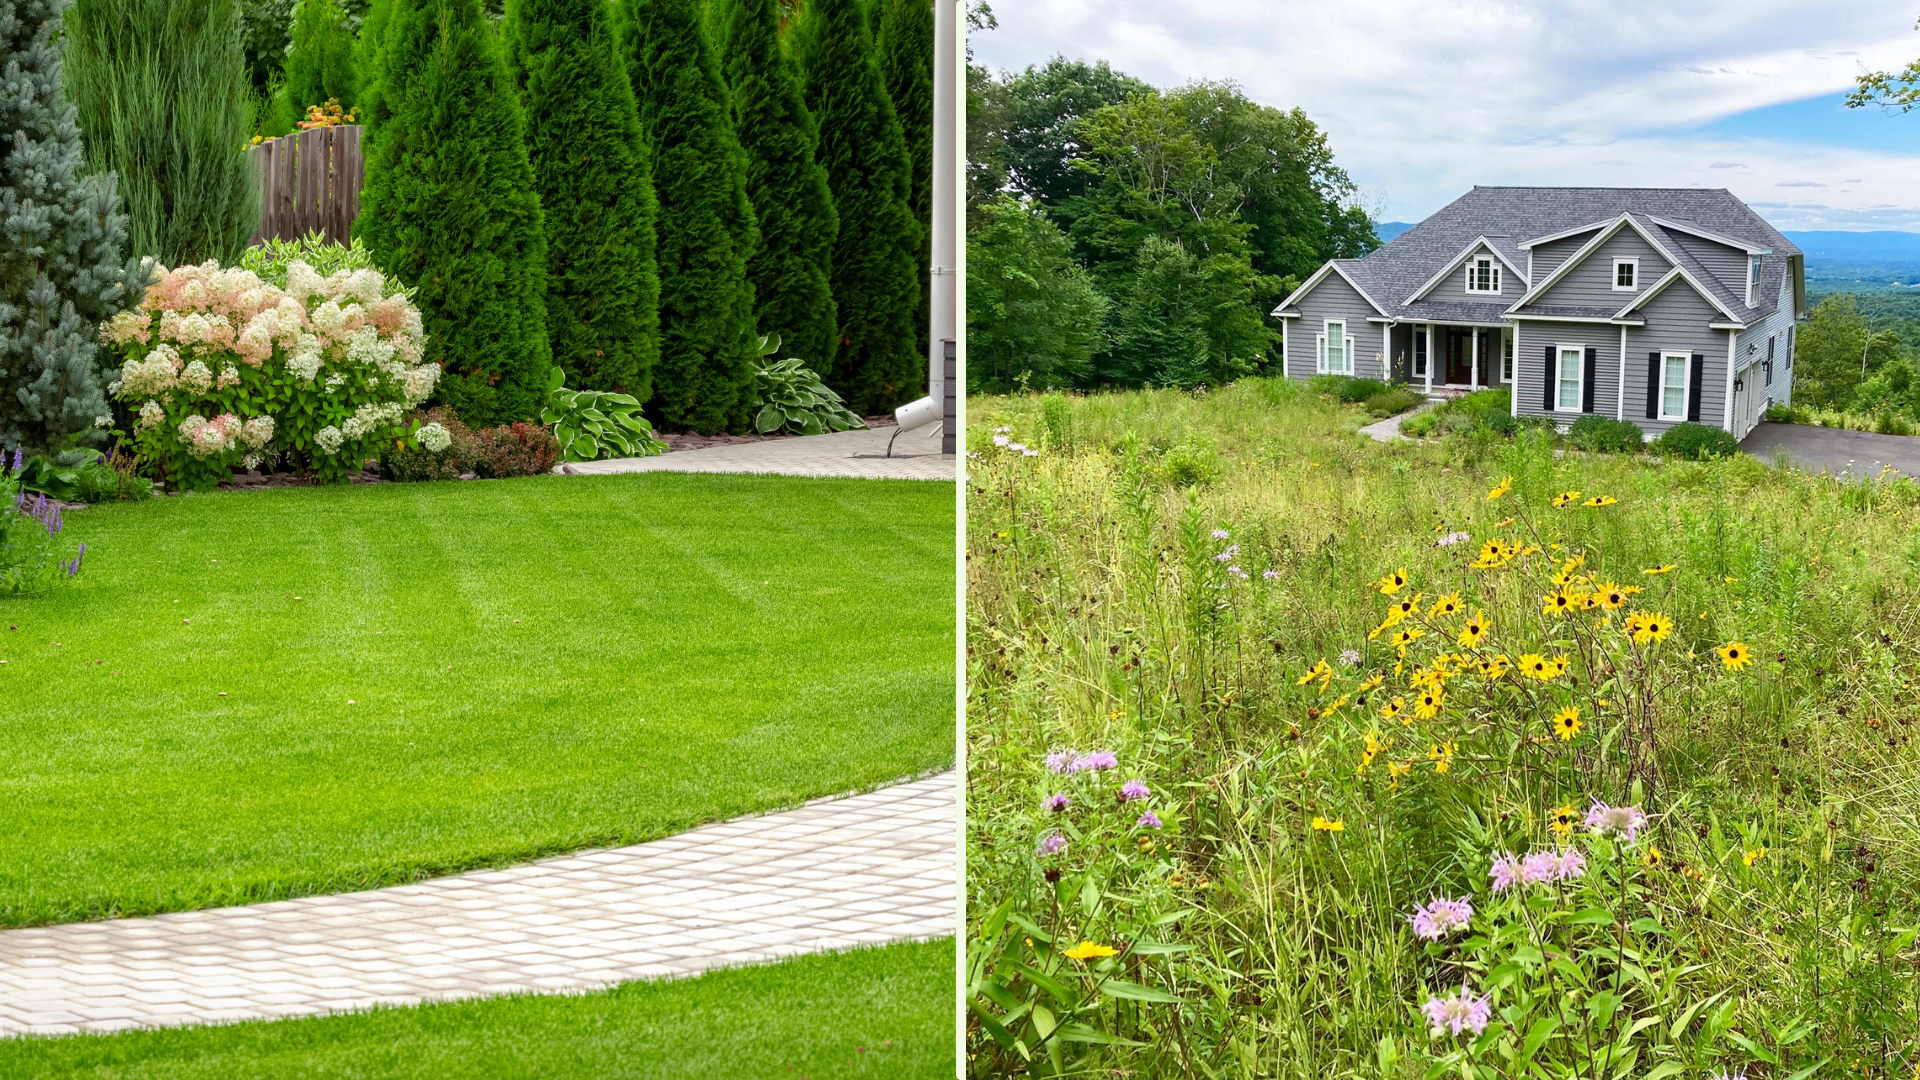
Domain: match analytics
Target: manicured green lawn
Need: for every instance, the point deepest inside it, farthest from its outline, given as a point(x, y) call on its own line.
point(885, 1012)
point(422, 678)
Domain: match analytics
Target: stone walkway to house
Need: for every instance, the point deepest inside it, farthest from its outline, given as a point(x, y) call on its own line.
point(835, 873)
point(1388, 430)
point(916, 456)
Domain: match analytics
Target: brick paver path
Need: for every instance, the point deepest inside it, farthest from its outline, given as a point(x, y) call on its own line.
point(865, 869)
point(916, 456)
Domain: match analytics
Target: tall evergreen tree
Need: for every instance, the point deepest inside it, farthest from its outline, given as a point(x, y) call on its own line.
point(61, 270)
point(865, 155)
point(449, 207)
point(788, 188)
point(163, 100)
point(705, 378)
point(369, 59)
point(320, 63)
point(906, 50)
point(596, 193)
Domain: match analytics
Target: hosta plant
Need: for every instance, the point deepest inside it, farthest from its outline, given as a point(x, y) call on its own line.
point(794, 400)
point(225, 368)
point(592, 424)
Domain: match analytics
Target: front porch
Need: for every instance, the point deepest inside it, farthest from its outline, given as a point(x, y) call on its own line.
point(1449, 359)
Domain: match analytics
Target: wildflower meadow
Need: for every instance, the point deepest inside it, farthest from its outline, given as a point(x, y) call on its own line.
point(1296, 755)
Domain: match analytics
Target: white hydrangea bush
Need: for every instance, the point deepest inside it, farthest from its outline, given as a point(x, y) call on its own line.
point(328, 368)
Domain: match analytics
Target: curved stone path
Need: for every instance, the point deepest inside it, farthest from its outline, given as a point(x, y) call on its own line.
point(858, 870)
point(915, 455)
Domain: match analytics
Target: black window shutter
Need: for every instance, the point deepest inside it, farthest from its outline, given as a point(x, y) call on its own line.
point(1653, 386)
point(1693, 398)
point(1593, 375)
point(1547, 403)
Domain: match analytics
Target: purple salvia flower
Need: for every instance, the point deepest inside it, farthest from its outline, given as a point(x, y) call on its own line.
point(1147, 820)
point(1053, 844)
point(1056, 803)
point(1506, 872)
point(1133, 790)
point(1441, 916)
point(1624, 821)
point(1458, 1012)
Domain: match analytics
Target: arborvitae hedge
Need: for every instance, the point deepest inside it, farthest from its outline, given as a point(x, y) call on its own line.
point(596, 192)
point(450, 208)
point(320, 63)
point(791, 201)
point(163, 98)
point(906, 50)
point(61, 269)
point(705, 379)
point(865, 154)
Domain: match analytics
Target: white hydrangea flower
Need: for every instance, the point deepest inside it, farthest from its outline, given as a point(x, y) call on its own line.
point(196, 375)
point(327, 318)
point(419, 381)
point(302, 281)
point(329, 439)
point(366, 286)
point(151, 414)
point(194, 422)
point(257, 432)
point(303, 363)
point(434, 437)
point(229, 376)
point(250, 461)
point(105, 420)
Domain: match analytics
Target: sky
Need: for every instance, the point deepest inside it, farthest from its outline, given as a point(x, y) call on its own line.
point(1422, 99)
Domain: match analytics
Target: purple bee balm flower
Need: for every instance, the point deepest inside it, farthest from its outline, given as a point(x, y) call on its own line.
point(1095, 761)
point(1270, 574)
point(1056, 803)
point(1349, 657)
point(1729, 1074)
point(1453, 538)
point(1219, 534)
point(1053, 844)
point(1624, 821)
point(1538, 868)
point(1569, 864)
point(1061, 761)
point(1237, 572)
point(1132, 790)
point(1506, 872)
point(1147, 820)
point(1458, 1012)
point(1440, 917)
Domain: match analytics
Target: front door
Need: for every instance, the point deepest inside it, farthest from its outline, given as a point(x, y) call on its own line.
point(1459, 366)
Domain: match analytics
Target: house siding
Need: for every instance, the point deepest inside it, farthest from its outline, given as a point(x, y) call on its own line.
point(1590, 283)
point(1750, 349)
point(1677, 322)
point(1726, 263)
point(1333, 298)
point(1531, 371)
point(1546, 257)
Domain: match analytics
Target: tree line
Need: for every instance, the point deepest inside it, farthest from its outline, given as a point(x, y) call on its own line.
point(1123, 235)
point(634, 190)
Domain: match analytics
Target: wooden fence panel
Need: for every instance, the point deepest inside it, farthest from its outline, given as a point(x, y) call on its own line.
point(309, 181)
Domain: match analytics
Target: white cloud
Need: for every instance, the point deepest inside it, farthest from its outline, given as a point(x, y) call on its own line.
point(1422, 99)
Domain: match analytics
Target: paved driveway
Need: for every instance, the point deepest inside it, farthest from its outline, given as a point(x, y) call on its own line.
point(1857, 453)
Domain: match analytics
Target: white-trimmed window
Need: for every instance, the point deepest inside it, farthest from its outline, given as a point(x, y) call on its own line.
point(1483, 274)
point(1753, 277)
point(1421, 335)
point(1626, 275)
point(1333, 349)
point(1676, 369)
point(1570, 381)
point(1506, 357)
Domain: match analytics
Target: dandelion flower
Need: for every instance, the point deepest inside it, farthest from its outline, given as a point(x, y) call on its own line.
point(1441, 916)
point(1500, 489)
point(1458, 1012)
point(1562, 818)
point(1735, 655)
point(1624, 821)
point(1566, 723)
point(1090, 950)
point(1321, 824)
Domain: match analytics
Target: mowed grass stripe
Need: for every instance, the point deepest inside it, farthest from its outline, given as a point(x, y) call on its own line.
point(651, 683)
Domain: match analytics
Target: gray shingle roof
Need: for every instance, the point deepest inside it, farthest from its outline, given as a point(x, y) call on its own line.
point(1570, 311)
point(1509, 216)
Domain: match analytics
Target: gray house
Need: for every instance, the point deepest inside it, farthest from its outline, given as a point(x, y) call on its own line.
point(1654, 305)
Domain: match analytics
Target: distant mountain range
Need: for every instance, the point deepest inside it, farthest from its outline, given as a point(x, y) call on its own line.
point(1884, 261)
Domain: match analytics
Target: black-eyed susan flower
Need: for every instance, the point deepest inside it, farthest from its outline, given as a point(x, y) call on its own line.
point(1490, 551)
point(1653, 627)
point(1535, 666)
point(1427, 704)
point(1565, 499)
point(1566, 723)
point(1321, 824)
point(1503, 523)
point(1557, 666)
point(1588, 601)
point(1496, 666)
point(1735, 655)
point(1562, 819)
point(1320, 671)
point(1753, 855)
point(1656, 571)
point(1441, 754)
point(1474, 632)
point(1612, 597)
point(1371, 682)
point(1446, 606)
point(1500, 490)
point(1405, 607)
point(1392, 709)
point(1392, 583)
point(1602, 500)
point(1652, 857)
point(1404, 637)
point(1396, 770)
point(1557, 602)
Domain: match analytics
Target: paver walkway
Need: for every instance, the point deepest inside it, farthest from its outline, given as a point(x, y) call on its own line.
point(916, 456)
point(1388, 430)
point(835, 873)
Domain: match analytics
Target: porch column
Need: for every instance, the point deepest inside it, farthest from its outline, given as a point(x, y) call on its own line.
point(1473, 380)
point(1429, 358)
point(1386, 352)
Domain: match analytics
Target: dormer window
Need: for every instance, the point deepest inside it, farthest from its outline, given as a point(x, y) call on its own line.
point(1753, 277)
point(1626, 275)
point(1483, 275)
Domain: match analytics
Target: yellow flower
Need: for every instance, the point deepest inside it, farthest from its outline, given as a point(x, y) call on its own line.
point(1500, 489)
point(1730, 580)
point(1566, 723)
point(1495, 667)
point(1490, 551)
point(1562, 819)
point(1446, 605)
point(1735, 655)
point(1588, 601)
point(1565, 499)
point(1406, 637)
point(1441, 754)
point(1089, 950)
point(1754, 855)
point(1474, 632)
point(1395, 770)
point(1602, 500)
point(1657, 570)
point(1535, 666)
point(1339, 703)
point(1371, 682)
point(1392, 583)
point(1612, 597)
point(1321, 824)
point(1427, 705)
point(1653, 627)
point(1556, 603)
point(1403, 608)
point(1557, 666)
point(1392, 708)
point(1318, 671)
point(1530, 549)
point(1652, 857)
point(1503, 523)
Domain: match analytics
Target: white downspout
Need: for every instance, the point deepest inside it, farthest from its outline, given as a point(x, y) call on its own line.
point(947, 165)
point(1513, 388)
point(1733, 344)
